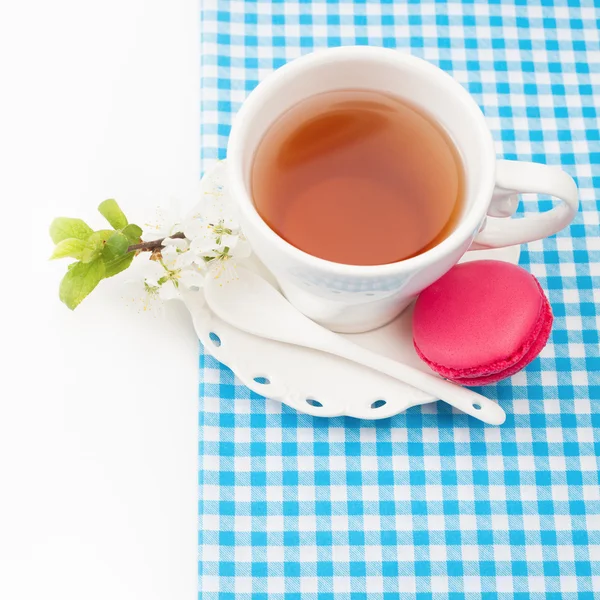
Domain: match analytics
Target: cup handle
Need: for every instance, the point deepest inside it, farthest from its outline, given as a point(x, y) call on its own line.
point(514, 178)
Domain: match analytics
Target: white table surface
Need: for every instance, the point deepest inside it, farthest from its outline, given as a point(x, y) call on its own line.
point(97, 407)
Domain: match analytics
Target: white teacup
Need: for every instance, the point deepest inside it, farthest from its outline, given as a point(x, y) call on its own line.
point(349, 298)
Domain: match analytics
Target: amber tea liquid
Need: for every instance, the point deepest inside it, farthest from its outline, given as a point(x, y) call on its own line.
point(359, 178)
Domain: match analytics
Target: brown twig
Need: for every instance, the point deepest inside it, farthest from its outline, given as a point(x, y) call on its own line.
point(154, 245)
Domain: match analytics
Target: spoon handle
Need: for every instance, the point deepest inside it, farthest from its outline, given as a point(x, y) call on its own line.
point(466, 400)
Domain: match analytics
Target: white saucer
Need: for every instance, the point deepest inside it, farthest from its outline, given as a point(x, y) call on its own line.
point(311, 381)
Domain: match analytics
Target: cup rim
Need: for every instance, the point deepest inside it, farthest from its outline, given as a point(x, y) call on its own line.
point(468, 226)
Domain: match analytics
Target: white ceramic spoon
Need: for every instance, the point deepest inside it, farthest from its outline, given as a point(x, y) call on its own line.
point(253, 305)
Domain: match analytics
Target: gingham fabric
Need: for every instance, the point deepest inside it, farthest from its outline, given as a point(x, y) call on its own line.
point(430, 503)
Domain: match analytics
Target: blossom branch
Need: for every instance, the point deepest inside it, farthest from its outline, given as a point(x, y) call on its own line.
point(154, 245)
point(207, 242)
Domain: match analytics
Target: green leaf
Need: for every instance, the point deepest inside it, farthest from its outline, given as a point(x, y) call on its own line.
point(92, 251)
point(64, 228)
point(101, 235)
point(70, 247)
point(118, 264)
point(110, 210)
point(80, 280)
point(116, 246)
point(133, 233)
point(95, 244)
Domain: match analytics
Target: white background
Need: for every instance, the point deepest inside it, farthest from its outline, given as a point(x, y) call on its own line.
point(97, 407)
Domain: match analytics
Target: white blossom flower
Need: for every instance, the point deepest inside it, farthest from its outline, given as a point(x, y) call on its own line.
point(213, 230)
point(208, 212)
point(179, 270)
point(172, 272)
point(152, 272)
point(217, 239)
point(180, 244)
point(168, 221)
point(221, 262)
point(143, 292)
point(208, 241)
point(144, 300)
point(213, 224)
point(210, 229)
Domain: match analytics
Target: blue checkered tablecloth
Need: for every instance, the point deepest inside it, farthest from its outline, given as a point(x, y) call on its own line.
point(430, 503)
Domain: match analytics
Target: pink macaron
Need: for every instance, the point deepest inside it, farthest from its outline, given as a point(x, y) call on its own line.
point(481, 322)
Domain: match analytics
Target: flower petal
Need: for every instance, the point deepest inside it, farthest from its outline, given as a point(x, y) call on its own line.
point(203, 245)
point(166, 222)
point(228, 241)
point(184, 259)
point(194, 227)
point(152, 271)
point(180, 244)
point(191, 279)
point(137, 297)
point(168, 291)
point(169, 257)
point(175, 228)
point(242, 249)
point(152, 234)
